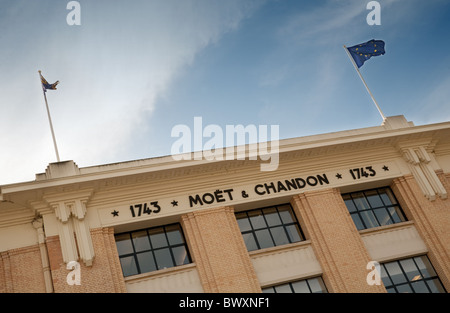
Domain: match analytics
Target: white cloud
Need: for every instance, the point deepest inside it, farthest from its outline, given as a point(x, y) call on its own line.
point(112, 69)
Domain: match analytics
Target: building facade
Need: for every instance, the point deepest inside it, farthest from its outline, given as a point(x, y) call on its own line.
point(363, 210)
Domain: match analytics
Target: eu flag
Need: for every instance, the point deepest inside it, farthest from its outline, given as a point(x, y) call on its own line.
point(46, 85)
point(362, 52)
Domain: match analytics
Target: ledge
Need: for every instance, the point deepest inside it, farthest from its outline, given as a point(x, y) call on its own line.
point(159, 273)
point(290, 246)
point(383, 228)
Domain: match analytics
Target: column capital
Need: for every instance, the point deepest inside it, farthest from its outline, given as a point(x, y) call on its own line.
point(70, 211)
point(423, 165)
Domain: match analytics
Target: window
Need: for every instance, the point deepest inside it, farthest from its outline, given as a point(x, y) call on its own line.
point(373, 208)
point(413, 275)
point(152, 249)
point(268, 227)
point(312, 285)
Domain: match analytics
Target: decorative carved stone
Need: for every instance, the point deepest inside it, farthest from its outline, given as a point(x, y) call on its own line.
point(423, 167)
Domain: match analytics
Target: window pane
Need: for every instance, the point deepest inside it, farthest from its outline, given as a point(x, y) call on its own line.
point(391, 290)
point(435, 286)
point(263, 238)
point(283, 289)
point(140, 241)
point(268, 290)
point(369, 219)
point(123, 243)
point(349, 203)
point(395, 273)
point(293, 233)
point(396, 214)
point(287, 216)
point(257, 220)
point(404, 289)
point(158, 238)
point(146, 262)
point(243, 222)
point(174, 235)
point(180, 255)
point(360, 202)
point(357, 220)
point(279, 235)
point(420, 287)
point(317, 285)
point(373, 198)
point(387, 196)
point(128, 266)
point(300, 287)
point(384, 277)
point(272, 217)
point(425, 266)
point(163, 258)
point(250, 242)
point(412, 273)
point(382, 216)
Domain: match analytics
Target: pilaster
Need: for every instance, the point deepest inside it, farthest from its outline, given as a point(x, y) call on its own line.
point(335, 240)
point(219, 252)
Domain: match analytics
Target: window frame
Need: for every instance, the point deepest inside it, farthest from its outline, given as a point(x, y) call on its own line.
point(272, 289)
point(152, 250)
point(386, 276)
point(284, 225)
point(372, 210)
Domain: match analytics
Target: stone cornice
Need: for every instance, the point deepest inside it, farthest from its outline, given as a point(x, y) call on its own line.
point(355, 143)
point(12, 214)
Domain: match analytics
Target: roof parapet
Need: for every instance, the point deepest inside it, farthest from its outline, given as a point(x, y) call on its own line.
point(59, 169)
point(396, 122)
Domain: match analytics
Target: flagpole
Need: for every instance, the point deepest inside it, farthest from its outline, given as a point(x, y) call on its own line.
point(364, 82)
point(50, 122)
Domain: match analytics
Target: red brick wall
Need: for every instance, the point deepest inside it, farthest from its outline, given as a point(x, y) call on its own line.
point(21, 271)
point(104, 276)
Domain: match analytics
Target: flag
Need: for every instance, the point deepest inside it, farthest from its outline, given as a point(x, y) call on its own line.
point(46, 85)
point(362, 52)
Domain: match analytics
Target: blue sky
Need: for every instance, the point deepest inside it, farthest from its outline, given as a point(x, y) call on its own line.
point(134, 69)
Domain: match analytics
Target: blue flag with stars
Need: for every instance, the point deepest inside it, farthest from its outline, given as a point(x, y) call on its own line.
point(362, 52)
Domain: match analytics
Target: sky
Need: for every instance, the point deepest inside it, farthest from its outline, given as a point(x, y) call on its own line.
point(133, 70)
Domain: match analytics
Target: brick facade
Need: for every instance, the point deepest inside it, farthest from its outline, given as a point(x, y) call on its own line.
point(219, 251)
point(432, 220)
point(221, 257)
point(335, 240)
point(21, 271)
point(104, 276)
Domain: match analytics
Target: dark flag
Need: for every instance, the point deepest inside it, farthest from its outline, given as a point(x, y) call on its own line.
point(46, 85)
point(362, 52)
